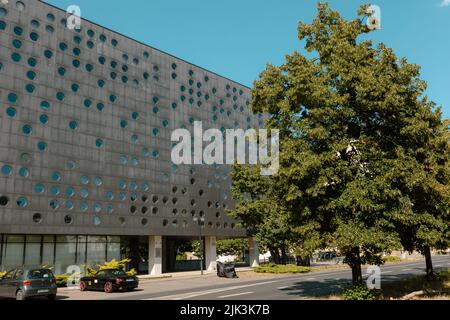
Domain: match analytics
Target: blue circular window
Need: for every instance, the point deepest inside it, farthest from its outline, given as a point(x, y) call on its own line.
point(27, 129)
point(84, 206)
point(109, 208)
point(74, 87)
point(54, 204)
point(87, 103)
point(50, 17)
point(123, 159)
point(48, 54)
point(11, 112)
point(97, 207)
point(30, 88)
point(70, 192)
point(61, 71)
point(22, 202)
point(42, 146)
point(101, 83)
point(69, 205)
point(145, 186)
point(76, 63)
point(96, 220)
point(98, 181)
point(73, 125)
point(84, 180)
point(56, 176)
point(16, 57)
point(134, 138)
point(134, 162)
point(31, 75)
point(43, 118)
point(34, 36)
point(6, 170)
point(122, 196)
point(32, 62)
point(54, 190)
point(133, 185)
point(155, 131)
point(110, 195)
point(122, 184)
point(12, 97)
point(102, 60)
point(24, 172)
point(60, 96)
point(18, 31)
point(17, 43)
point(84, 193)
point(99, 143)
point(100, 106)
point(123, 124)
point(71, 165)
point(39, 188)
point(135, 116)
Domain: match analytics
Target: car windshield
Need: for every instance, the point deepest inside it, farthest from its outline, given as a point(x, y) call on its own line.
point(118, 273)
point(40, 274)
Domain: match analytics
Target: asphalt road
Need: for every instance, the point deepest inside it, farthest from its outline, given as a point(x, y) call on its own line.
point(287, 287)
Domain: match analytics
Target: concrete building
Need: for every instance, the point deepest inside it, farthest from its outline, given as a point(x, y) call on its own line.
point(86, 117)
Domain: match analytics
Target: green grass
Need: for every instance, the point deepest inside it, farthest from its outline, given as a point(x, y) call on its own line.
point(391, 259)
point(278, 268)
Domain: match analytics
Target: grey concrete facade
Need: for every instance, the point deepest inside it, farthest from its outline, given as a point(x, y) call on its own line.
point(85, 123)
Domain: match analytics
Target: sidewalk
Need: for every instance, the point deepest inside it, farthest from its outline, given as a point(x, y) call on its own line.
point(187, 274)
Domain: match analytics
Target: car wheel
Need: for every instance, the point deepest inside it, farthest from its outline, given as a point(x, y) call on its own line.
point(130, 289)
point(82, 286)
point(51, 297)
point(20, 295)
point(108, 287)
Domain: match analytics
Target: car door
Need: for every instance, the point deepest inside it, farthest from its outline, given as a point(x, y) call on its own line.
point(6, 284)
point(99, 280)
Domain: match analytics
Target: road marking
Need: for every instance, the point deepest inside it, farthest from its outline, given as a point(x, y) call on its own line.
point(309, 279)
point(282, 288)
point(439, 265)
point(387, 271)
point(235, 295)
point(194, 294)
point(407, 269)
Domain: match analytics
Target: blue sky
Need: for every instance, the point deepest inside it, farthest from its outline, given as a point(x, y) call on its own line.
point(237, 38)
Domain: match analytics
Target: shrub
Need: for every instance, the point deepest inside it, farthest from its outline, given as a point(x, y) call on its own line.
point(391, 259)
point(358, 293)
point(113, 264)
point(277, 268)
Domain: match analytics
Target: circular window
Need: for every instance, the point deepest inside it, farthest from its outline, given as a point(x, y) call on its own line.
point(98, 181)
point(16, 57)
point(70, 192)
point(218, 214)
point(25, 158)
point(144, 222)
point(165, 199)
point(122, 184)
point(24, 172)
point(73, 125)
point(56, 176)
point(6, 170)
point(165, 223)
point(84, 206)
point(54, 190)
point(68, 219)
point(22, 202)
point(133, 197)
point(155, 199)
point(61, 72)
point(84, 193)
point(3, 12)
point(154, 210)
point(11, 112)
point(60, 96)
point(37, 218)
point(100, 106)
point(39, 188)
point(84, 180)
point(43, 119)
point(71, 165)
point(133, 209)
point(144, 210)
point(4, 201)
point(69, 205)
point(175, 201)
point(97, 207)
point(99, 143)
point(110, 195)
point(102, 38)
point(122, 196)
point(121, 221)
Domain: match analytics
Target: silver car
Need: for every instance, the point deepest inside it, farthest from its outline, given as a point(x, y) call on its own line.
point(25, 283)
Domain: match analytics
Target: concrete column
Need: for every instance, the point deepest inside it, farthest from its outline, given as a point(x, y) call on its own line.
point(155, 255)
point(254, 252)
point(210, 254)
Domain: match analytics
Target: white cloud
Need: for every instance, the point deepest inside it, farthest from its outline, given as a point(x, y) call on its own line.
point(445, 3)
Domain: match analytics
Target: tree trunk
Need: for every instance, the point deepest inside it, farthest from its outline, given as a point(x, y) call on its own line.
point(355, 263)
point(304, 262)
point(429, 263)
point(275, 255)
point(284, 258)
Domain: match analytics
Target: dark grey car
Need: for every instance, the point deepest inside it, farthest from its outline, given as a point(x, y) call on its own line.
point(25, 283)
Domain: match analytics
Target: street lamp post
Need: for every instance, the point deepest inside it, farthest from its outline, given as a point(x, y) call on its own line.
point(200, 221)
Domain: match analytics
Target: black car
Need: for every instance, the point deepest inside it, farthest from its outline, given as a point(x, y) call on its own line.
point(109, 280)
point(25, 283)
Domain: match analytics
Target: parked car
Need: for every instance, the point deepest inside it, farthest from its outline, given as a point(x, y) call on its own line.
point(109, 280)
point(23, 283)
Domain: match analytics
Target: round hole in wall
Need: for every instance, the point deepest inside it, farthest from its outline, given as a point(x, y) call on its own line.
point(37, 218)
point(4, 200)
point(68, 219)
point(144, 222)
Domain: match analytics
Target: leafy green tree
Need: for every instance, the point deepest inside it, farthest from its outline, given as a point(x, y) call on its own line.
point(363, 158)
